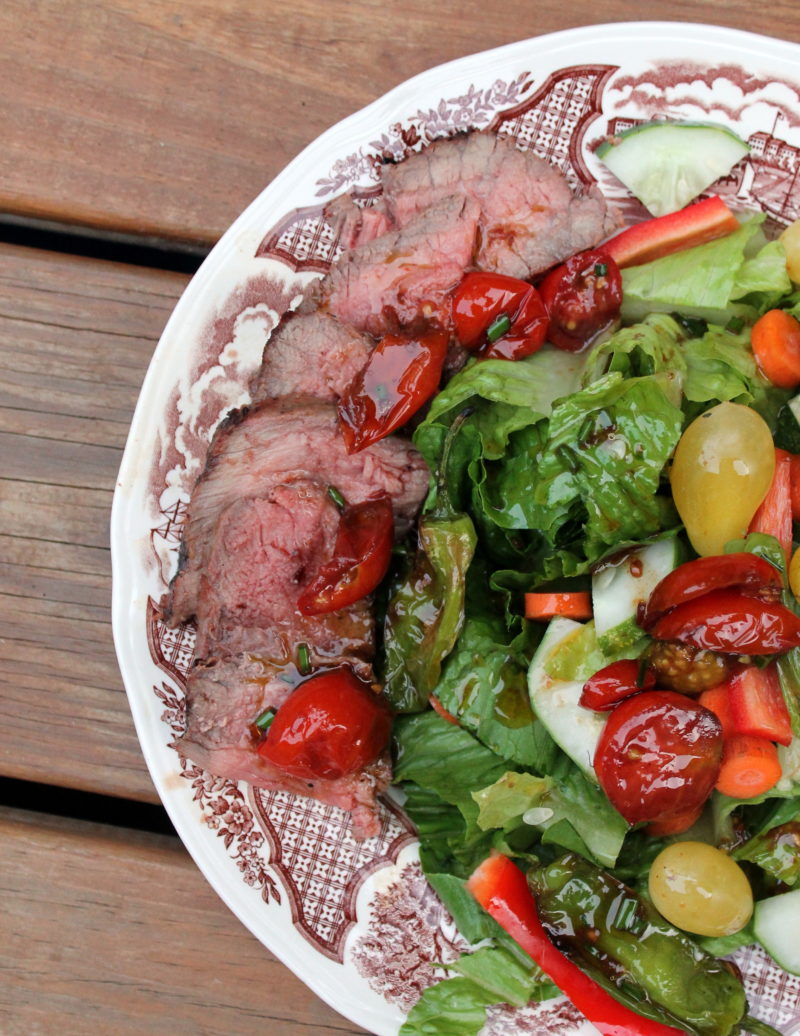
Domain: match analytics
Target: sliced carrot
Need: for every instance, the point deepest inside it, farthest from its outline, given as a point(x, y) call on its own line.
point(575, 604)
point(750, 766)
point(794, 472)
point(437, 706)
point(716, 699)
point(775, 339)
point(675, 825)
point(774, 516)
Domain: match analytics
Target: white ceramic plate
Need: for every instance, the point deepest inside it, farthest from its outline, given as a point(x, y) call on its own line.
point(356, 920)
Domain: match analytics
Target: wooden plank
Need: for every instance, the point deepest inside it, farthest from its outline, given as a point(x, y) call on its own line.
point(161, 118)
point(76, 336)
point(110, 931)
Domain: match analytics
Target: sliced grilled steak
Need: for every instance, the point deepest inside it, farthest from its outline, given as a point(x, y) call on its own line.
point(263, 553)
point(281, 442)
point(529, 217)
point(353, 224)
point(310, 354)
point(405, 275)
point(223, 698)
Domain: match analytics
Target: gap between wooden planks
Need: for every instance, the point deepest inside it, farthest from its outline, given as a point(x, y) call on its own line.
point(111, 932)
point(163, 118)
point(76, 336)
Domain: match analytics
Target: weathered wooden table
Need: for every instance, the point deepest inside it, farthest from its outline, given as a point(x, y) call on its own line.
point(133, 132)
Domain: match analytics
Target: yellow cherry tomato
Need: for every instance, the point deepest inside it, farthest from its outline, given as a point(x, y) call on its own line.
point(700, 889)
point(721, 471)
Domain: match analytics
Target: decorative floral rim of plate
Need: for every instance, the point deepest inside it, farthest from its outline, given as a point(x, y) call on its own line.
point(356, 920)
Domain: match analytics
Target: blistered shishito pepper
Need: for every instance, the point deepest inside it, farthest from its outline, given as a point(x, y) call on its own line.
point(426, 610)
point(625, 944)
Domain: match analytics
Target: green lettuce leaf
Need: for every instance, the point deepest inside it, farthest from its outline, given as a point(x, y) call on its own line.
point(701, 281)
point(484, 684)
point(597, 475)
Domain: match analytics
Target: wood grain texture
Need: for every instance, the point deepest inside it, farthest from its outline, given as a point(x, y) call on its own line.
point(76, 336)
point(110, 932)
point(165, 118)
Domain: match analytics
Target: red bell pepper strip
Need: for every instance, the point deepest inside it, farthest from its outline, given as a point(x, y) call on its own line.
point(748, 573)
point(500, 317)
point(774, 515)
point(695, 225)
point(757, 705)
point(732, 623)
point(501, 889)
point(794, 477)
point(401, 375)
point(615, 682)
point(361, 557)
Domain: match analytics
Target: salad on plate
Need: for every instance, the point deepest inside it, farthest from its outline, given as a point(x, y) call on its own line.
point(586, 659)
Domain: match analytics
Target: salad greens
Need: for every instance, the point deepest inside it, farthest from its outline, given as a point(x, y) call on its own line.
point(545, 466)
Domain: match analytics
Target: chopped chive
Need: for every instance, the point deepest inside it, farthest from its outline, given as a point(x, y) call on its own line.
point(567, 457)
point(337, 497)
point(303, 659)
point(498, 328)
point(264, 721)
point(600, 269)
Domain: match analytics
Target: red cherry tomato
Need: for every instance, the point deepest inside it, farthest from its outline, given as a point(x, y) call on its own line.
point(732, 623)
point(658, 756)
point(615, 682)
point(361, 557)
point(582, 297)
point(499, 317)
point(748, 573)
point(402, 374)
point(330, 726)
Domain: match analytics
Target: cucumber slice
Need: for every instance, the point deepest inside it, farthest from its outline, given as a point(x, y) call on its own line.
point(776, 923)
point(574, 729)
point(787, 426)
point(621, 585)
point(667, 164)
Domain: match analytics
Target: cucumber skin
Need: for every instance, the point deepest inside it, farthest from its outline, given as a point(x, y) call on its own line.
point(776, 925)
point(632, 131)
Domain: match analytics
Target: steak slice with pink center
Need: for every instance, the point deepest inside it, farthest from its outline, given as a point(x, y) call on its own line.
point(224, 698)
point(529, 217)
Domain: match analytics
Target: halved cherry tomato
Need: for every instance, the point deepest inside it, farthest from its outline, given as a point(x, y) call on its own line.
point(361, 557)
point(331, 725)
point(757, 705)
point(401, 375)
point(582, 297)
point(732, 623)
point(500, 317)
point(615, 682)
point(658, 756)
point(749, 573)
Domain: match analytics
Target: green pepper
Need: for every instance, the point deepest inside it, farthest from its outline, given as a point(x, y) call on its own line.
point(624, 944)
point(426, 611)
point(426, 608)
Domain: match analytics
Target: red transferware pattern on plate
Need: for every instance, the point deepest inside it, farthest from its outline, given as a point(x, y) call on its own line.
point(357, 919)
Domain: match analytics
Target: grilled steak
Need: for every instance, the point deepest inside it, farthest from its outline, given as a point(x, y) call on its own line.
point(529, 217)
point(284, 442)
point(404, 275)
point(223, 698)
point(354, 225)
point(310, 354)
point(263, 553)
